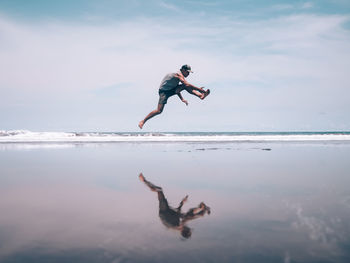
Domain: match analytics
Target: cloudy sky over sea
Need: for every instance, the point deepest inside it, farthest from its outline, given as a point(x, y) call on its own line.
point(97, 65)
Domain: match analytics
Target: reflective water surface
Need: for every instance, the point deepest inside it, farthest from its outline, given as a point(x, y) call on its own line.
point(175, 202)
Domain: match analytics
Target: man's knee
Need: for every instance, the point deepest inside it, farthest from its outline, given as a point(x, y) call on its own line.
point(180, 88)
point(160, 109)
point(189, 90)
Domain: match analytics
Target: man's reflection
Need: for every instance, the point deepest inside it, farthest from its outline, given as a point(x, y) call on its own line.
point(173, 217)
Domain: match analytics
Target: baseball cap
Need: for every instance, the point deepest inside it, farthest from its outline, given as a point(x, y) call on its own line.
point(187, 67)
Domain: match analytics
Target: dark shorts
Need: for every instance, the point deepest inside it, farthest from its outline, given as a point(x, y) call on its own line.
point(163, 203)
point(164, 95)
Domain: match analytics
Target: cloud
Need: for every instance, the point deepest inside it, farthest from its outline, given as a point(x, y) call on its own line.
point(307, 5)
point(321, 230)
point(91, 54)
point(286, 258)
point(169, 6)
point(282, 7)
point(283, 59)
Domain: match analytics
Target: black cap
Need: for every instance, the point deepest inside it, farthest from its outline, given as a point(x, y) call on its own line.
point(187, 68)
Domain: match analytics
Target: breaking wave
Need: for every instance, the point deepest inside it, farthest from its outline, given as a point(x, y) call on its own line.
point(25, 136)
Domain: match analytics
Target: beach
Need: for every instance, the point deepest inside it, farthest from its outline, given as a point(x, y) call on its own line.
point(83, 202)
point(175, 131)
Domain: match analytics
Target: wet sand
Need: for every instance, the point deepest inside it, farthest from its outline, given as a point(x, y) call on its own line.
point(270, 202)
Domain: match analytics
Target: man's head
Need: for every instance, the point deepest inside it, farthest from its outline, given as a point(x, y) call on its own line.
point(186, 232)
point(185, 70)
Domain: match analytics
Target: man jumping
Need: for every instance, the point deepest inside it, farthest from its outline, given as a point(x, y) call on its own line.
point(170, 86)
point(173, 218)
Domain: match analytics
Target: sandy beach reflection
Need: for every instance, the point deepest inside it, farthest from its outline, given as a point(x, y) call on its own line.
point(174, 218)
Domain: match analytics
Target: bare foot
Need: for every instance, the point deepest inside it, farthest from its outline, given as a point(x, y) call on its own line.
point(185, 198)
point(205, 94)
point(202, 205)
point(208, 210)
point(141, 123)
point(141, 177)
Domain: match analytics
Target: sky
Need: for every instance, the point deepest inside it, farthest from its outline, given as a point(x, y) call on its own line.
point(90, 65)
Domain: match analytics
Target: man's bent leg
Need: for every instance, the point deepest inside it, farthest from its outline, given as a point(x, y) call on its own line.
point(152, 114)
point(151, 186)
point(194, 92)
point(180, 88)
point(182, 203)
point(205, 94)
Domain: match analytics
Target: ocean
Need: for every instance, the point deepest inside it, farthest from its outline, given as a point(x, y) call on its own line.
point(77, 197)
point(25, 136)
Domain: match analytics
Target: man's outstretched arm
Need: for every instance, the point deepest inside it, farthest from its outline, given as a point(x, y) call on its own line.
point(187, 84)
point(181, 98)
point(182, 203)
point(194, 213)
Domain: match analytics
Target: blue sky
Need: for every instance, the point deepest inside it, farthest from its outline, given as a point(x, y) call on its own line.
point(97, 65)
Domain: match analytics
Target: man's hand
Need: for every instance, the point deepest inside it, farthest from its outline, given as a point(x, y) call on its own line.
point(185, 101)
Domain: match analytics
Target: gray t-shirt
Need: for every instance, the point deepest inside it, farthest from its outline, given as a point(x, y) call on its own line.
point(169, 82)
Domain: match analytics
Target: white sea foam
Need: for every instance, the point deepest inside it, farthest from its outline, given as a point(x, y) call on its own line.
point(24, 136)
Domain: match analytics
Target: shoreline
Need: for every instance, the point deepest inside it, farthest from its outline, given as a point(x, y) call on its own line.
point(180, 145)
